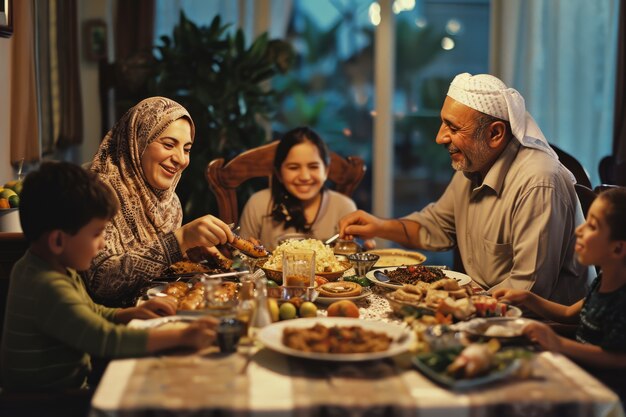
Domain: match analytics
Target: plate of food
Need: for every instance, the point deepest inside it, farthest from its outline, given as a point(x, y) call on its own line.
point(191, 298)
point(339, 339)
point(365, 292)
point(504, 328)
point(396, 277)
point(472, 366)
point(397, 257)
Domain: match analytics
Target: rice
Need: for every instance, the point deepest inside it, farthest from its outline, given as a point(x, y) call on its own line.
point(325, 260)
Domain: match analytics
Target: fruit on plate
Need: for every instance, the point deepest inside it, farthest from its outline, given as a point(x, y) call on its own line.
point(9, 194)
point(287, 311)
point(308, 309)
point(274, 311)
point(343, 308)
point(14, 185)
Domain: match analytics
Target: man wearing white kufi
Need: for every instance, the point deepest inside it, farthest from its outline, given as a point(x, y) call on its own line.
point(511, 207)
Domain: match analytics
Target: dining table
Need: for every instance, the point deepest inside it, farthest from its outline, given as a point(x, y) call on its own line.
point(257, 381)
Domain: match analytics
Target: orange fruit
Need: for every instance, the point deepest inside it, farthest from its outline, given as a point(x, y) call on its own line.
point(343, 308)
point(4, 203)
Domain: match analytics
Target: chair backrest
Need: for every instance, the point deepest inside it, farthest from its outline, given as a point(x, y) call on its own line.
point(574, 166)
point(224, 178)
point(586, 196)
point(612, 171)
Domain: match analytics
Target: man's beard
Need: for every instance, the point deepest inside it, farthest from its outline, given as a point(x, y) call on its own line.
point(474, 158)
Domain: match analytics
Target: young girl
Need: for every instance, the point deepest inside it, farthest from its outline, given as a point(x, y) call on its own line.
point(601, 316)
point(297, 201)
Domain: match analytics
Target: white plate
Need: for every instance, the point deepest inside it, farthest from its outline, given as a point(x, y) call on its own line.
point(160, 321)
point(460, 277)
point(329, 300)
point(510, 326)
point(272, 337)
point(396, 257)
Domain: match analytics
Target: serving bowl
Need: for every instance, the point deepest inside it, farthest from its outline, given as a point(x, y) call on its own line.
point(363, 262)
point(277, 275)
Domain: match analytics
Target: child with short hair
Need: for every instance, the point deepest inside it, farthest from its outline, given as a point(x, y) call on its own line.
point(52, 327)
point(601, 315)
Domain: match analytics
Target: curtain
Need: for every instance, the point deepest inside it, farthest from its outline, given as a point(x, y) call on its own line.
point(134, 28)
point(70, 130)
point(619, 133)
point(24, 111)
point(560, 55)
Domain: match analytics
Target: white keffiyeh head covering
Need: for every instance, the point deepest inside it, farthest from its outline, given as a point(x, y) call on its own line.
point(489, 95)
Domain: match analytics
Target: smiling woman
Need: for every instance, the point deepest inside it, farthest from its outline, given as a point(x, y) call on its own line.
point(142, 159)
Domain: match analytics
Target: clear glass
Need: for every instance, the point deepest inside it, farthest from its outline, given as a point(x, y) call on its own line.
point(211, 287)
point(261, 316)
point(346, 247)
point(299, 268)
point(247, 302)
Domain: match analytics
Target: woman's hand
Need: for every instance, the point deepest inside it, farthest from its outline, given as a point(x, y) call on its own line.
point(204, 231)
point(515, 297)
point(543, 335)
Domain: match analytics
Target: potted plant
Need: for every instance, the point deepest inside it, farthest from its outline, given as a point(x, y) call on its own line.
point(224, 84)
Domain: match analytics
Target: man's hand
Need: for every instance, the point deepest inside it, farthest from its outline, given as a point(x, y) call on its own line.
point(515, 297)
point(361, 224)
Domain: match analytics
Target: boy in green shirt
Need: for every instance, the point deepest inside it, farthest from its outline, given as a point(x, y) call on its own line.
point(52, 327)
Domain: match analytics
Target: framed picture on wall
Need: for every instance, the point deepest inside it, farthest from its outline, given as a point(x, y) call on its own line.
point(6, 18)
point(94, 39)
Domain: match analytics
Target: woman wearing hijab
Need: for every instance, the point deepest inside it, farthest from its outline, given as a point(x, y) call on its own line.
point(142, 159)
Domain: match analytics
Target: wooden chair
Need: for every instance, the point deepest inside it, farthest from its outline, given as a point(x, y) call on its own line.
point(224, 178)
point(12, 248)
point(586, 196)
point(612, 171)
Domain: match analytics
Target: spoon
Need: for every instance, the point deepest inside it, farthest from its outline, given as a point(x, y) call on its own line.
point(384, 278)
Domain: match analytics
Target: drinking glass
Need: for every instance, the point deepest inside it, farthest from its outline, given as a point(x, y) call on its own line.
point(299, 268)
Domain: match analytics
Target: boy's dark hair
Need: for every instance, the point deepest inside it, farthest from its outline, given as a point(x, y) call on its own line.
point(286, 208)
point(63, 196)
point(616, 199)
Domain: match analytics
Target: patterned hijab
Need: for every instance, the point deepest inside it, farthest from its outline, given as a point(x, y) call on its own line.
point(145, 211)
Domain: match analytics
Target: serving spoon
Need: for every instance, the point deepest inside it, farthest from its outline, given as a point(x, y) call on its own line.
point(331, 239)
point(385, 278)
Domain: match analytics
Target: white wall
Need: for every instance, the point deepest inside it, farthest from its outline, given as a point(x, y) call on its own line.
point(6, 171)
point(92, 131)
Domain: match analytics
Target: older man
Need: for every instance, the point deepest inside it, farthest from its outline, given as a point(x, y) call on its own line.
point(511, 207)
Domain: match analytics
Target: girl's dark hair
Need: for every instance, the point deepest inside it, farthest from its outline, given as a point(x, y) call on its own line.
point(286, 208)
point(63, 196)
point(616, 199)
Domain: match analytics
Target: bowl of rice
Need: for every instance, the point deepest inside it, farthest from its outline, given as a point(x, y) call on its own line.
point(326, 264)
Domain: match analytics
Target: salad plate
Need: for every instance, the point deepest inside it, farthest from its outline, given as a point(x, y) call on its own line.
point(426, 365)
